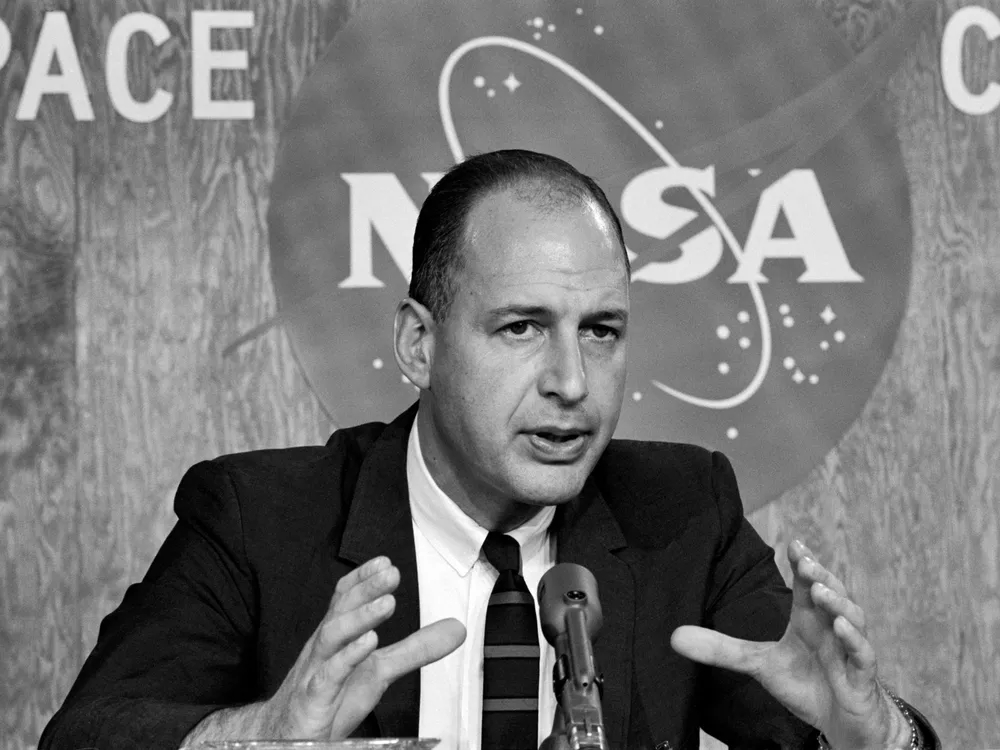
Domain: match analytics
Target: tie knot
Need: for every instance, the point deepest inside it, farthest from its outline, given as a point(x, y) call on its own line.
point(503, 552)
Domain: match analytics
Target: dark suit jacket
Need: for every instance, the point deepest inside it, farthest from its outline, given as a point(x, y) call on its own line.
point(262, 538)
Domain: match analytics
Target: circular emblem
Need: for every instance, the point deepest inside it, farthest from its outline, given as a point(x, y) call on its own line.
point(760, 185)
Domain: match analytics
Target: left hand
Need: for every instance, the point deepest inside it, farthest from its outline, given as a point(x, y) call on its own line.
point(823, 668)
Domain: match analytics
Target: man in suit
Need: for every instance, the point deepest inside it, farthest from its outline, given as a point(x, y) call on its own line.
point(302, 589)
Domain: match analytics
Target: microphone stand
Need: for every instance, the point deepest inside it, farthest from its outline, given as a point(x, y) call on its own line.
point(579, 720)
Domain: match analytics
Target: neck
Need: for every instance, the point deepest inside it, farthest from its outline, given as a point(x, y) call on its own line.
point(500, 519)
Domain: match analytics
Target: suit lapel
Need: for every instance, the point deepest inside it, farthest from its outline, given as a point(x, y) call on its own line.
point(379, 523)
point(589, 535)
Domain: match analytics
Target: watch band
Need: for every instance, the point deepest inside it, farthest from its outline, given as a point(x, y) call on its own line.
point(916, 736)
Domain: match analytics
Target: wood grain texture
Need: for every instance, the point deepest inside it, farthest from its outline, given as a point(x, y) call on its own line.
point(130, 255)
point(173, 266)
point(39, 549)
point(906, 510)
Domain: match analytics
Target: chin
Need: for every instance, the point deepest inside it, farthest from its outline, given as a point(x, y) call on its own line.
point(551, 487)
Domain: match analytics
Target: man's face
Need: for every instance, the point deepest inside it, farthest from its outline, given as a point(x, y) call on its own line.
point(528, 368)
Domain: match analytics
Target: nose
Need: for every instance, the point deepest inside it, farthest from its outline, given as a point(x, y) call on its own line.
point(565, 374)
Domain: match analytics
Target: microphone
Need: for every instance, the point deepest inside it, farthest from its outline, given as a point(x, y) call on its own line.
point(571, 616)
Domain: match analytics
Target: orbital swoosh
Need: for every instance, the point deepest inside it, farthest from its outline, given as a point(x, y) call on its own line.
point(799, 128)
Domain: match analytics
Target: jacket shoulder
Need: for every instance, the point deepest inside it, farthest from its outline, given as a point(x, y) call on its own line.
point(656, 489)
point(649, 467)
point(273, 495)
point(302, 465)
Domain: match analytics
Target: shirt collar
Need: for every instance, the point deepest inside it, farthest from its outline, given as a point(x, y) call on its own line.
point(456, 536)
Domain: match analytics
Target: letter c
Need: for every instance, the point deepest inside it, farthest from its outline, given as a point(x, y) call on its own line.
point(952, 75)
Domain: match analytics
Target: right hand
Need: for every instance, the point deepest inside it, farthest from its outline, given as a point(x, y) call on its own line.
point(340, 676)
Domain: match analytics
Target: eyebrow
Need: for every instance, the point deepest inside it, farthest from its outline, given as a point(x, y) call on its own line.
point(615, 313)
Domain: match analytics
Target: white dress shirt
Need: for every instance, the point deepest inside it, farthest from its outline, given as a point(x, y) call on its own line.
point(456, 581)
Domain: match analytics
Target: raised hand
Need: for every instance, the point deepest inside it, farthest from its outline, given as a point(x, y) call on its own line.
point(340, 675)
point(823, 669)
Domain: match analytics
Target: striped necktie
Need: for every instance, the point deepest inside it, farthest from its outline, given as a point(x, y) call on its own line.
point(510, 653)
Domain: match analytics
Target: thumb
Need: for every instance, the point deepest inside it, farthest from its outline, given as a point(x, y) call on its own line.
point(717, 650)
point(386, 665)
point(419, 649)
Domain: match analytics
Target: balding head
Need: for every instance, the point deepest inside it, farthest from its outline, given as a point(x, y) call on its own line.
point(544, 182)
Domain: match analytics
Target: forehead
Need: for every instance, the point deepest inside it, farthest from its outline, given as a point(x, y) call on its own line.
point(511, 241)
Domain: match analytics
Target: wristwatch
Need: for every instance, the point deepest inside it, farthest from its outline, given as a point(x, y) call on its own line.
point(922, 734)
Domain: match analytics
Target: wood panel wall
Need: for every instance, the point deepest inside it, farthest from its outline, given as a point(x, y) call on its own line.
point(907, 508)
point(131, 254)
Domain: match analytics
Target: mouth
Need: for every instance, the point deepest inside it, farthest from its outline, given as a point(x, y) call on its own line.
point(558, 444)
point(558, 437)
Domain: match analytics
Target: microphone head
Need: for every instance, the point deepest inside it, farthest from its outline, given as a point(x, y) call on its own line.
point(568, 586)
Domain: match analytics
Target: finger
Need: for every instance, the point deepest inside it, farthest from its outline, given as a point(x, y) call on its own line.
point(813, 572)
point(339, 629)
point(359, 574)
point(717, 650)
point(805, 567)
point(857, 648)
point(329, 677)
point(427, 645)
point(796, 552)
point(369, 681)
point(838, 606)
point(380, 581)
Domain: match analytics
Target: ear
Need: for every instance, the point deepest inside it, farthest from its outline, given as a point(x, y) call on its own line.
point(413, 339)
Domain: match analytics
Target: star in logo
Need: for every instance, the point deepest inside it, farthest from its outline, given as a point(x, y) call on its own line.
point(511, 83)
point(828, 315)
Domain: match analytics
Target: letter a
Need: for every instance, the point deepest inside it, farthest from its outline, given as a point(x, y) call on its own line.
point(814, 237)
point(55, 42)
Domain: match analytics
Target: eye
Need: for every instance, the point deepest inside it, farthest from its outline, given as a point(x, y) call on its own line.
point(604, 333)
point(520, 330)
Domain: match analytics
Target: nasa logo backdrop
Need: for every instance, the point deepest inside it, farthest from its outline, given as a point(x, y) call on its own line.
point(760, 184)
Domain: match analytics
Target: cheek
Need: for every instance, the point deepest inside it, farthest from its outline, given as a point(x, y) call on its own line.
point(488, 384)
point(607, 371)
point(497, 391)
point(496, 367)
point(621, 368)
point(476, 375)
